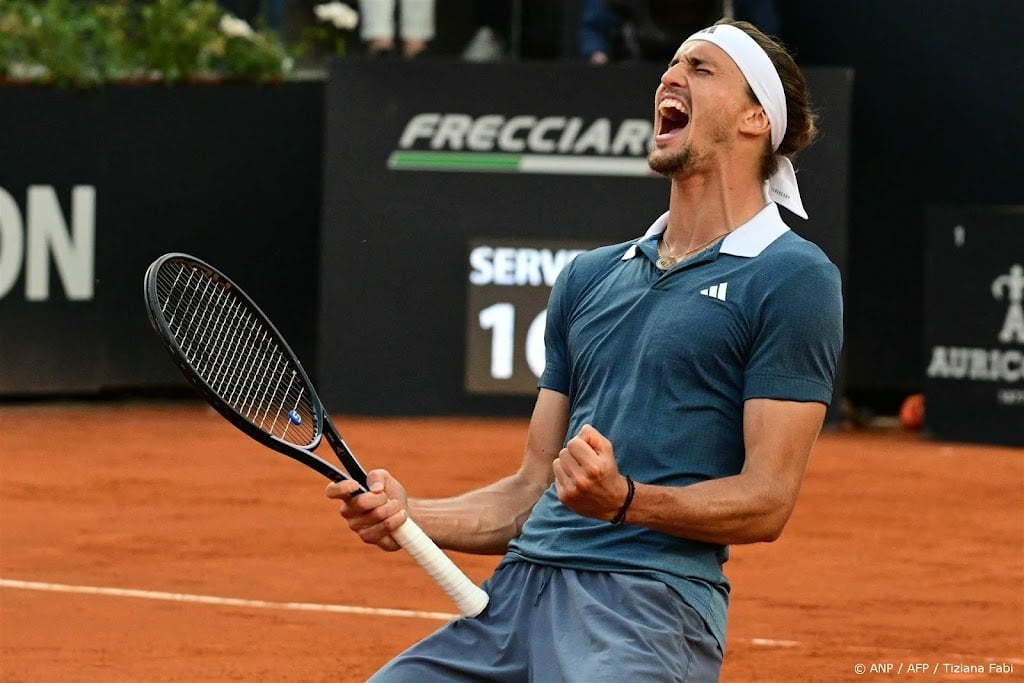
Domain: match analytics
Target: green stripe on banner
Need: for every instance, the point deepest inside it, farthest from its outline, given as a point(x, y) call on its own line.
point(453, 161)
point(486, 162)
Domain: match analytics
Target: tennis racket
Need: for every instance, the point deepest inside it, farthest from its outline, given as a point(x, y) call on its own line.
point(234, 356)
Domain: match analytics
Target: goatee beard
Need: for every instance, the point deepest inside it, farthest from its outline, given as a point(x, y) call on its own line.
point(669, 165)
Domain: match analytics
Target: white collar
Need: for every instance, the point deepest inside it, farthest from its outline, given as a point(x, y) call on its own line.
point(748, 240)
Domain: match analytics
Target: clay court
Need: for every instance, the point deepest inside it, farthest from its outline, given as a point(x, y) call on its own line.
point(152, 542)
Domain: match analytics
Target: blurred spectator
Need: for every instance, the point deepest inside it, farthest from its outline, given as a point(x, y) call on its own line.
point(615, 30)
point(600, 27)
point(761, 13)
point(515, 29)
point(490, 42)
point(416, 26)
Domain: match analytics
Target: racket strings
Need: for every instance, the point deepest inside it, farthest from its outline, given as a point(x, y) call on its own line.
point(234, 353)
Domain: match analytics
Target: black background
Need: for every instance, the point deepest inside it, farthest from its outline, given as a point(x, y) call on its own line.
point(229, 173)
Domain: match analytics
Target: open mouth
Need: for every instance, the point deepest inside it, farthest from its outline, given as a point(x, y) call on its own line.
point(674, 116)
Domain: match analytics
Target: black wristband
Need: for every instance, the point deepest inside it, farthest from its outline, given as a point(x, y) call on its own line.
point(621, 517)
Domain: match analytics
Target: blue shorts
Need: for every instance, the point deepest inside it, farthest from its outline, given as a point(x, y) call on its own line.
point(549, 624)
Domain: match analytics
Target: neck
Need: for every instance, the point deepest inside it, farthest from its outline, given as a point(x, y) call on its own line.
point(703, 206)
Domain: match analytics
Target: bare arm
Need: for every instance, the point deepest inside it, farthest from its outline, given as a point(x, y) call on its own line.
point(749, 507)
point(481, 521)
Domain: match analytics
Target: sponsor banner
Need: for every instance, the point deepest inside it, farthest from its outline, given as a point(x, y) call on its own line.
point(974, 328)
point(96, 184)
point(559, 145)
point(510, 164)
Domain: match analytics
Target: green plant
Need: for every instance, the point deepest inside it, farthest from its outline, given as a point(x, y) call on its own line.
point(330, 33)
point(57, 40)
point(173, 37)
point(80, 43)
point(247, 54)
point(13, 29)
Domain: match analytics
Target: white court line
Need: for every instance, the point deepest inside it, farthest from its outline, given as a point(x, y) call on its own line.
point(214, 600)
point(771, 642)
point(376, 611)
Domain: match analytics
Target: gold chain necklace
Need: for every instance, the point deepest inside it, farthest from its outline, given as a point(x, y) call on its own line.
point(666, 261)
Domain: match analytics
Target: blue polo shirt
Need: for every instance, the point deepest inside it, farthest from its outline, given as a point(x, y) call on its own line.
point(661, 364)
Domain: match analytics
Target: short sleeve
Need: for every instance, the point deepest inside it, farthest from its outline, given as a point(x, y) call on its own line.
point(799, 336)
point(556, 349)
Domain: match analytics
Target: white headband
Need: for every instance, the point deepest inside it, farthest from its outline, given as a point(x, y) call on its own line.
point(757, 68)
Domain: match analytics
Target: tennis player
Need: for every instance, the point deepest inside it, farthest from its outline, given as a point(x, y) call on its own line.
point(687, 378)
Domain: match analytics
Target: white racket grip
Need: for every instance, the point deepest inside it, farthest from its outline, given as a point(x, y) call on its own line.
point(468, 597)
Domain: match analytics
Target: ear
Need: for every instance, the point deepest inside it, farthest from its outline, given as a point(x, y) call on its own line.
point(755, 121)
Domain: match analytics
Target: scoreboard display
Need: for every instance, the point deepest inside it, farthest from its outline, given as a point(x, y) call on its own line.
point(508, 283)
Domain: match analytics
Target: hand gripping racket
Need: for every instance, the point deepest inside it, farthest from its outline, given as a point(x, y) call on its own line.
point(235, 357)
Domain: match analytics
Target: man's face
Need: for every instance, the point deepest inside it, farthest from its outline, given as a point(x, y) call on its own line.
point(696, 110)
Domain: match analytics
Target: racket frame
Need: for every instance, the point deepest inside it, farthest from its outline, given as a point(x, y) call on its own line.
point(353, 470)
point(468, 597)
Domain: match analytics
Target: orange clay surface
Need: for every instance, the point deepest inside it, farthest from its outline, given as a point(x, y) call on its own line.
point(128, 530)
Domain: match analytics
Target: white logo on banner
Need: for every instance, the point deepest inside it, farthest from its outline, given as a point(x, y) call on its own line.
point(1012, 285)
point(1005, 365)
point(495, 143)
point(31, 242)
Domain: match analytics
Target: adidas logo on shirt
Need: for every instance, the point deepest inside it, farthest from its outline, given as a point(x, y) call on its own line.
point(716, 291)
